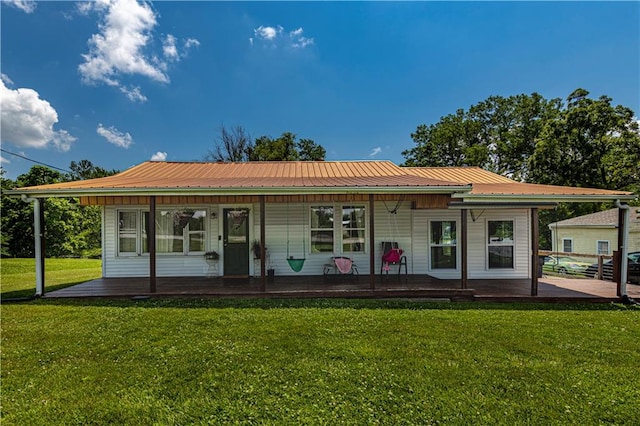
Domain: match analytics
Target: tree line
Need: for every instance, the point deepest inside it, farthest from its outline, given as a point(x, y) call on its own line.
point(578, 141)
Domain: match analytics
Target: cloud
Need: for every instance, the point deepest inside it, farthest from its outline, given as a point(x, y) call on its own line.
point(159, 156)
point(277, 37)
point(27, 121)
point(134, 94)
point(27, 6)
point(121, 48)
point(114, 136)
point(4, 160)
point(375, 151)
point(5, 78)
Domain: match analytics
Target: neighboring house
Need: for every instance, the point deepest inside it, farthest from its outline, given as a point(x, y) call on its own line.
point(595, 233)
point(453, 223)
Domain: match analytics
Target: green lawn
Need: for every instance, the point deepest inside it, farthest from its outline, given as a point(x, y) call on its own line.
point(251, 361)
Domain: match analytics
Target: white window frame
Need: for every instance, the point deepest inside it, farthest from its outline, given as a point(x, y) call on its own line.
point(564, 240)
point(140, 232)
point(511, 243)
point(454, 245)
point(598, 247)
point(134, 232)
point(337, 229)
point(343, 229)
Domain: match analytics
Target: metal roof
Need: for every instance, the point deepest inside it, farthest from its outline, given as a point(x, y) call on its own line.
point(459, 174)
point(257, 177)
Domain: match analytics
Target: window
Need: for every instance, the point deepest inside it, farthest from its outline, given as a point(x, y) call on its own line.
point(500, 244)
point(353, 228)
point(322, 229)
point(567, 245)
point(127, 231)
point(180, 231)
point(443, 244)
point(602, 247)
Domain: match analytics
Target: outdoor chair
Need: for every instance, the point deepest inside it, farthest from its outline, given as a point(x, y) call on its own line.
point(392, 256)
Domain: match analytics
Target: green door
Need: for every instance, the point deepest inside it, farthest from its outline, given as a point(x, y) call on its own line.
point(236, 242)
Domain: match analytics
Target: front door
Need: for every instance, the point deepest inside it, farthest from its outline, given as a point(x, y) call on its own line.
point(236, 242)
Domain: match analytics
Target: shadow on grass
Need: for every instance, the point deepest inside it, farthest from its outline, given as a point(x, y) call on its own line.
point(325, 303)
point(6, 296)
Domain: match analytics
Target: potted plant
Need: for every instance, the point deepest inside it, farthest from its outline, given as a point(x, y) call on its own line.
point(256, 248)
point(211, 255)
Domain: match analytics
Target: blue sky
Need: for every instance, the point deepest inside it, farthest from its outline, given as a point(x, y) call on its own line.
point(120, 82)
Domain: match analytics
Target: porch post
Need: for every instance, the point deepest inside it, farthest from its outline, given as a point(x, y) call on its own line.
point(372, 246)
point(535, 246)
point(263, 279)
point(151, 241)
point(622, 251)
point(38, 234)
point(463, 248)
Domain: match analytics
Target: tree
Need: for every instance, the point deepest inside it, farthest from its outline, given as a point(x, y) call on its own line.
point(497, 134)
point(233, 145)
point(285, 148)
point(84, 169)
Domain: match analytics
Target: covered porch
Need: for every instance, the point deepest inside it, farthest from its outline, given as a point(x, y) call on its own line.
point(550, 289)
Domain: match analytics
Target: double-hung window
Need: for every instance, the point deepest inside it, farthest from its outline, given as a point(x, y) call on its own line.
point(602, 247)
point(128, 231)
point(567, 245)
point(443, 244)
point(500, 241)
point(322, 234)
point(353, 229)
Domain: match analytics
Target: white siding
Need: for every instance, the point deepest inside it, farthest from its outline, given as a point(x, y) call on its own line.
point(410, 228)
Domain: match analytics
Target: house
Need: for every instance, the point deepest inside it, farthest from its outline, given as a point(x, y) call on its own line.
point(453, 223)
point(595, 233)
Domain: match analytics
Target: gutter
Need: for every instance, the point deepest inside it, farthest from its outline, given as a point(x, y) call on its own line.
point(239, 191)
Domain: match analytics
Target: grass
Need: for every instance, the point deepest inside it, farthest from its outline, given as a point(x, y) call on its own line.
point(254, 361)
point(18, 277)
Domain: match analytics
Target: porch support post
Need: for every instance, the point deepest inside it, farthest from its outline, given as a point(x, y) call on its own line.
point(38, 234)
point(151, 241)
point(535, 247)
point(623, 251)
point(372, 245)
point(463, 248)
point(263, 215)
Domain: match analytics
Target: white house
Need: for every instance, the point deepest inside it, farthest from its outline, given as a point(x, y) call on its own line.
point(456, 223)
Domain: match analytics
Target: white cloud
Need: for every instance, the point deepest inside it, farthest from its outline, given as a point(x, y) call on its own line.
point(134, 94)
point(5, 78)
point(276, 36)
point(27, 121)
point(375, 151)
point(191, 42)
point(159, 156)
point(121, 47)
point(27, 6)
point(4, 160)
point(114, 136)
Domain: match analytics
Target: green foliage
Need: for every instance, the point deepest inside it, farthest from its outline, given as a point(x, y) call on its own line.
point(70, 229)
point(285, 148)
point(211, 361)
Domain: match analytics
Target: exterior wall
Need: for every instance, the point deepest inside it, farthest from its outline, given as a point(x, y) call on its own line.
point(585, 239)
point(409, 228)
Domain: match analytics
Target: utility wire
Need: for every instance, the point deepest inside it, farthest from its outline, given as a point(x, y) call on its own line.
point(35, 161)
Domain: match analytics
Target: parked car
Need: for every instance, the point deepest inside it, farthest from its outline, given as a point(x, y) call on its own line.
point(633, 269)
point(564, 265)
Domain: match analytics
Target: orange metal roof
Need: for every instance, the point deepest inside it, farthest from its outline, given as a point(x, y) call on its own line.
point(459, 174)
point(264, 174)
point(470, 183)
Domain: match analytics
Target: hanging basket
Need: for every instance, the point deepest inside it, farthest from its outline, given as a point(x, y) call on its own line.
point(296, 264)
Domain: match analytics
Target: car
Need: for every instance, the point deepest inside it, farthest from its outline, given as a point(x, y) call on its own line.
point(633, 269)
point(564, 265)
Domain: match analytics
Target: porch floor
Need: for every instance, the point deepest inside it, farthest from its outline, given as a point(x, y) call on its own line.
point(550, 289)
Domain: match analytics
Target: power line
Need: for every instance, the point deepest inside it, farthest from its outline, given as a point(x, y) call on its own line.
point(35, 161)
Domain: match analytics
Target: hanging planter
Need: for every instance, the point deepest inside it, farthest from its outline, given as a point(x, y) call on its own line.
point(211, 255)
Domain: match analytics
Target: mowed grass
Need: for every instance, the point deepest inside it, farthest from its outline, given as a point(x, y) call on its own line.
point(252, 361)
point(18, 276)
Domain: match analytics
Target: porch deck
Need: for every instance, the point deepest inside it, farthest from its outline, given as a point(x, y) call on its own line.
point(417, 286)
